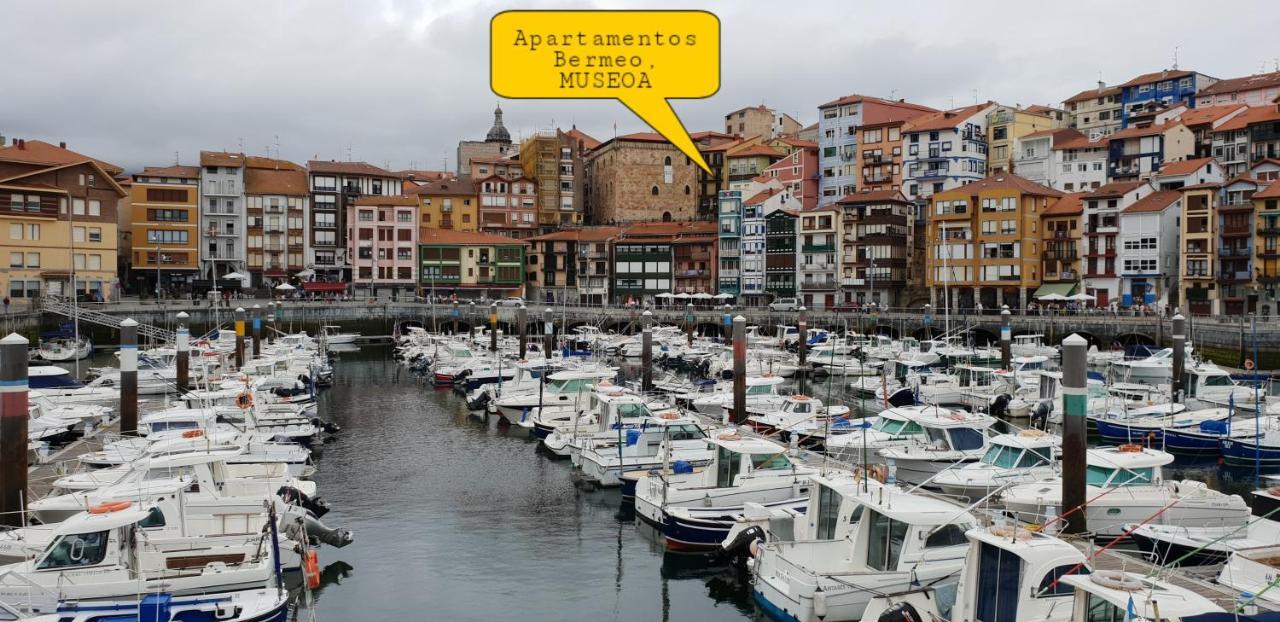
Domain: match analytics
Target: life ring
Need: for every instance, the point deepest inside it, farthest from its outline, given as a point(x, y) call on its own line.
point(1031, 433)
point(109, 507)
point(244, 401)
point(800, 398)
point(1116, 580)
point(730, 436)
point(311, 569)
point(193, 434)
point(669, 415)
point(1130, 448)
point(1248, 364)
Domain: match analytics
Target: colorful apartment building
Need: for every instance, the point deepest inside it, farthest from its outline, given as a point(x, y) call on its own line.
point(382, 234)
point(47, 192)
point(798, 172)
point(554, 161)
point(1007, 124)
point(1136, 153)
point(729, 251)
point(1060, 242)
point(1256, 90)
point(877, 243)
point(944, 150)
point(984, 242)
point(222, 211)
point(450, 204)
point(1101, 229)
point(166, 228)
point(1167, 87)
point(1266, 245)
point(760, 121)
point(1147, 250)
point(571, 265)
point(469, 264)
point(1198, 233)
point(1096, 113)
point(1235, 247)
point(780, 253)
point(839, 140)
point(745, 162)
point(818, 257)
point(646, 255)
point(335, 186)
point(508, 204)
point(277, 200)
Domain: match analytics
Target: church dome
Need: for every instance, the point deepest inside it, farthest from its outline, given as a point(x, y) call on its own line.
point(498, 133)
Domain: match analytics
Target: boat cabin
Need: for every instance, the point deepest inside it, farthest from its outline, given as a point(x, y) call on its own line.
point(1012, 575)
point(1120, 596)
point(1126, 465)
point(1024, 450)
point(738, 458)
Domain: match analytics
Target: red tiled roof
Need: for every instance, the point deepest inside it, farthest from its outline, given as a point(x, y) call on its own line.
point(1070, 204)
point(1079, 142)
point(1205, 186)
point(181, 172)
point(1239, 85)
point(1093, 93)
point(375, 199)
point(1154, 202)
point(1155, 76)
point(1184, 167)
point(587, 141)
point(460, 186)
point(875, 196)
point(422, 175)
point(945, 119)
point(761, 197)
point(1138, 132)
point(348, 168)
point(1207, 114)
point(879, 112)
point(270, 181)
point(431, 236)
point(723, 145)
point(758, 150)
point(221, 158)
point(1064, 134)
point(1114, 189)
point(1255, 114)
point(1270, 192)
point(709, 134)
point(1007, 181)
point(1040, 109)
point(271, 163)
point(40, 152)
point(668, 229)
point(796, 142)
point(585, 234)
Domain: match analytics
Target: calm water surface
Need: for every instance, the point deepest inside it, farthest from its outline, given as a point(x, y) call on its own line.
point(457, 518)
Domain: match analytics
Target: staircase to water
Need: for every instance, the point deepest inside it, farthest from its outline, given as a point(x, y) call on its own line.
point(62, 307)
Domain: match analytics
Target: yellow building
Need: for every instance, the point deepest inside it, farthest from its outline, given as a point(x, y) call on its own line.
point(1005, 125)
point(451, 204)
point(1198, 236)
point(46, 192)
point(165, 204)
point(1266, 246)
point(553, 160)
point(984, 242)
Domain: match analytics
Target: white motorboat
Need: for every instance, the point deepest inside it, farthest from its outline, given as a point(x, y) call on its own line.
point(892, 427)
point(859, 539)
point(604, 413)
point(666, 438)
point(1032, 345)
point(695, 510)
point(761, 394)
point(1119, 595)
point(1028, 456)
point(563, 393)
point(801, 415)
point(1135, 490)
point(333, 335)
point(951, 439)
point(1154, 369)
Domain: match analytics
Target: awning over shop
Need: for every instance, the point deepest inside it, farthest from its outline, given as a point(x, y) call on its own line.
point(275, 273)
point(1061, 289)
point(324, 287)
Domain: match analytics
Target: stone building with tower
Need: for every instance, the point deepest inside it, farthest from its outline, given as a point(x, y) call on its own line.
point(496, 144)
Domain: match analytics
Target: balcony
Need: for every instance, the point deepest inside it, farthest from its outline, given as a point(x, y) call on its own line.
point(1269, 253)
point(1233, 277)
point(883, 219)
point(874, 159)
point(930, 173)
point(1269, 230)
point(1228, 251)
point(692, 273)
point(816, 248)
point(1236, 206)
point(1196, 274)
point(1268, 279)
point(814, 285)
point(273, 247)
point(1060, 254)
point(877, 178)
point(1105, 252)
point(884, 238)
point(1236, 230)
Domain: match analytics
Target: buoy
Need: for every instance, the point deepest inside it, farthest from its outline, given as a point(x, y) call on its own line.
point(244, 401)
point(109, 507)
point(193, 434)
point(1130, 448)
point(311, 569)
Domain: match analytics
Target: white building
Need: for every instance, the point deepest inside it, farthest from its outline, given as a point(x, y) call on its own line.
point(222, 216)
point(1034, 158)
point(1101, 220)
point(1080, 164)
point(1147, 250)
point(1174, 175)
point(752, 246)
point(944, 150)
point(838, 123)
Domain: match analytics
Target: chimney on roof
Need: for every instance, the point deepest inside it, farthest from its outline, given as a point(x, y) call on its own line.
point(1101, 85)
point(22, 143)
point(62, 144)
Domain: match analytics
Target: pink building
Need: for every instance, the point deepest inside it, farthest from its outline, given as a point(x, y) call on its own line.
point(382, 242)
point(1256, 90)
point(798, 172)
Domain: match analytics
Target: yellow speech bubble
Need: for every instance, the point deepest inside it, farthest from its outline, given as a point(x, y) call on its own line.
point(641, 58)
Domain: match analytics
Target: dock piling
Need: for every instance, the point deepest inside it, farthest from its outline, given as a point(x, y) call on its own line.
point(182, 337)
point(739, 370)
point(522, 318)
point(1006, 338)
point(13, 428)
point(646, 351)
point(1075, 396)
point(1179, 356)
point(257, 331)
point(493, 327)
point(239, 337)
point(129, 377)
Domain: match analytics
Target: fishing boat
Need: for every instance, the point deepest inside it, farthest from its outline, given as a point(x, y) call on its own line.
point(1252, 571)
point(603, 413)
point(951, 439)
point(695, 511)
point(666, 438)
point(1126, 485)
point(333, 335)
point(1261, 449)
point(859, 539)
point(261, 605)
point(1206, 440)
point(1027, 456)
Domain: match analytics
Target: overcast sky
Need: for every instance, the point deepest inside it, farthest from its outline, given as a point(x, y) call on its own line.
point(399, 82)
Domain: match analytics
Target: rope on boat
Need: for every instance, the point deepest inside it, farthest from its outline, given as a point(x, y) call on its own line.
point(1113, 542)
point(1216, 540)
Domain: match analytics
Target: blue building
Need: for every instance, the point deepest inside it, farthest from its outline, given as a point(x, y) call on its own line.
point(730, 268)
point(1169, 87)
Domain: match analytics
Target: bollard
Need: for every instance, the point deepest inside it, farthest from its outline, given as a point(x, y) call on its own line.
point(1179, 356)
point(646, 352)
point(688, 323)
point(548, 333)
point(14, 416)
point(239, 337)
point(183, 338)
point(802, 326)
point(257, 331)
point(522, 316)
point(1006, 339)
point(493, 327)
point(129, 377)
point(1075, 397)
point(739, 370)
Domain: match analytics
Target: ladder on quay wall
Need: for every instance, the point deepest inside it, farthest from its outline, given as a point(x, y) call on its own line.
point(155, 333)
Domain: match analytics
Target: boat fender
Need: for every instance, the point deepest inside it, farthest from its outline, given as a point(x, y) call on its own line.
point(902, 612)
point(819, 603)
point(681, 467)
point(311, 569)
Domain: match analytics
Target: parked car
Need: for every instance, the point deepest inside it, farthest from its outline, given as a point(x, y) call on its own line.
point(511, 301)
point(784, 304)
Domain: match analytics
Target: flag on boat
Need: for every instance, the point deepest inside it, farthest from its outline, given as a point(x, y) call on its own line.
point(1130, 613)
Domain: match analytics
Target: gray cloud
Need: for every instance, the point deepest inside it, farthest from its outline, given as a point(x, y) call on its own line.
point(401, 81)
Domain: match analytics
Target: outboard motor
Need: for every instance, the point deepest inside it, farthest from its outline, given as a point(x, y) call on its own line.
point(293, 496)
point(481, 402)
point(902, 612)
point(333, 537)
point(1000, 406)
point(325, 426)
point(740, 546)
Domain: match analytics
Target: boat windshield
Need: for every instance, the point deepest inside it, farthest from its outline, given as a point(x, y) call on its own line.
point(569, 385)
point(769, 461)
point(1034, 457)
point(169, 472)
point(1109, 477)
point(966, 439)
point(760, 389)
point(685, 432)
point(1002, 456)
point(633, 410)
point(163, 426)
point(1222, 380)
point(76, 549)
point(898, 428)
